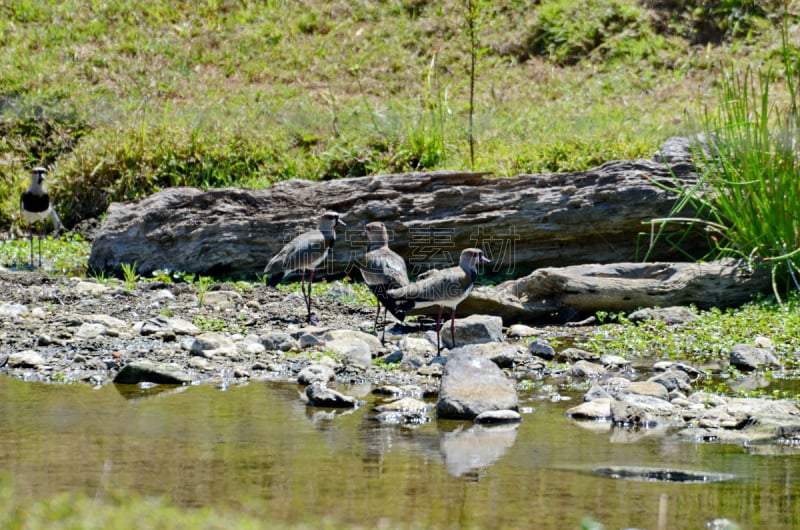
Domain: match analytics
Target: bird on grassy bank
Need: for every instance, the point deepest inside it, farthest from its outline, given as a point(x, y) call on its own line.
point(35, 207)
point(304, 253)
point(383, 269)
point(445, 288)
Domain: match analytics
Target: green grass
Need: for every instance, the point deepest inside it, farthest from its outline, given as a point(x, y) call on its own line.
point(116, 510)
point(123, 99)
point(65, 255)
point(351, 292)
point(708, 338)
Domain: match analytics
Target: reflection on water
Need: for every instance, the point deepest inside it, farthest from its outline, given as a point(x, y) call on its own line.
point(469, 448)
point(260, 446)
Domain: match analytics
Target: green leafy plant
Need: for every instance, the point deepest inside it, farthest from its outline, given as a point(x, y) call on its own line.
point(202, 285)
point(129, 275)
point(382, 364)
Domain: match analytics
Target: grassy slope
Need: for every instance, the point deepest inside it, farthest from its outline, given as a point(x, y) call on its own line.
point(125, 97)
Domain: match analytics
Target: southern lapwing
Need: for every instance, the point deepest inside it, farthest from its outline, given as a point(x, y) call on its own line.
point(304, 253)
point(383, 269)
point(35, 207)
point(445, 288)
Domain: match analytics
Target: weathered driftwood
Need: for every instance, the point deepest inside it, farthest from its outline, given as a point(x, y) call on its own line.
point(522, 222)
point(582, 290)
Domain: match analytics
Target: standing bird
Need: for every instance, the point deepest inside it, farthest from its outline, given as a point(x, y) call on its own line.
point(445, 288)
point(305, 252)
point(383, 269)
point(35, 207)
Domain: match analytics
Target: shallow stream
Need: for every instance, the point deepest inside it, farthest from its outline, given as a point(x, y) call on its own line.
point(259, 448)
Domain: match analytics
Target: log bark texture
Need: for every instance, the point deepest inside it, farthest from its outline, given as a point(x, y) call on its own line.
point(522, 223)
point(581, 290)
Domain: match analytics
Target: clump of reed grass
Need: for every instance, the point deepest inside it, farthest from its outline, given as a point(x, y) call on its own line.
point(748, 192)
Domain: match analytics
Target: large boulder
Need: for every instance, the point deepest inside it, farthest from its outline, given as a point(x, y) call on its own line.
point(472, 384)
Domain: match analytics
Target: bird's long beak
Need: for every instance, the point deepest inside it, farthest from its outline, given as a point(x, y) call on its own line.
point(484, 259)
point(340, 222)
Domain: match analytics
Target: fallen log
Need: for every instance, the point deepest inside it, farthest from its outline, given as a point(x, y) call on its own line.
point(574, 292)
point(522, 223)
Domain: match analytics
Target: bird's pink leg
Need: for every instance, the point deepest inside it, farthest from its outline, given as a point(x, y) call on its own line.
point(308, 301)
point(438, 327)
point(453, 327)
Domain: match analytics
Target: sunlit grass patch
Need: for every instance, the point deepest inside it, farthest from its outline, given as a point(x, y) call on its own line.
point(65, 255)
point(707, 338)
point(345, 290)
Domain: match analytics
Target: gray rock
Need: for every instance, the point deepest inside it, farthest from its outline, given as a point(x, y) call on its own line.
point(402, 417)
point(161, 324)
point(417, 346)
point(498, 416)
point(673, 380)
point(747, 420)
point(163, 294)
point(372, 342)
point(352, 346)
point(519, 331)
point(707, 399)
point(596, 410)
point(746, 357)
point(597, 392)
point(669, 315)
point(221, 299)
point(413, 391)
point(308, 340)
point(86, 288)
point(586, 369)
point(571, 355)
point(630, 414)
point(25, 359)
point(502, 354)
point(651, 404)
point(90, 330)
point(12, 310)
point(150, 372)
point(199, 363)
point(114, 327)
point(316, 373)
point(412, 361)
point(692, 372)
point(541, 348)
point(404, 410)
point(279, 341)
point(211, 344)
point(471, 385)
point(433, 369)
point(320, 395)
point(474, 329)
point(646, 388)
point(764, 343)
point(251, 347)
point(614, 362)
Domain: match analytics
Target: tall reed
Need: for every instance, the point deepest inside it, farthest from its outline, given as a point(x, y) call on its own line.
point(748, 192)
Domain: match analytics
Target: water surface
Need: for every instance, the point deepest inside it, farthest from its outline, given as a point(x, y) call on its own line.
point(259, 448)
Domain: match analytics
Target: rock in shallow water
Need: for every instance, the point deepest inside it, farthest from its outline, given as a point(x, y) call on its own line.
point(321, 396)
point(149, 372)
point(472, 384)
point(746, 357)
point(316, 373)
